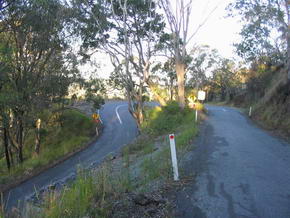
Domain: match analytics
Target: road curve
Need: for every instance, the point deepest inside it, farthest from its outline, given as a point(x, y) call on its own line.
point(115, 135)
point(241, 171)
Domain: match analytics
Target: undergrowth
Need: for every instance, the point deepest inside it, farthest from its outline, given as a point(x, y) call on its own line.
point(162, 120)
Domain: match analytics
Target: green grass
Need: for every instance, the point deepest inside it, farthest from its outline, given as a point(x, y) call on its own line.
point(91, 195)
point(144, 145)
point(159, 165)
point(166, 120)
point(77, 200)
point(56, 142)
point(184, 138)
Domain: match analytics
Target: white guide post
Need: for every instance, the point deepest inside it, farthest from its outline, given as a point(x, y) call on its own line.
point(173, 157)
point(250, 112)
point(196, 115)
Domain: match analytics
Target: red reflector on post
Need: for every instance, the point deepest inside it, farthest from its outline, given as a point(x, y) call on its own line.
point(171, 136)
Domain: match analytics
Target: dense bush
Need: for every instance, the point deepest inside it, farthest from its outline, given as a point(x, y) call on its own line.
point(161, 120)
point(77, 123)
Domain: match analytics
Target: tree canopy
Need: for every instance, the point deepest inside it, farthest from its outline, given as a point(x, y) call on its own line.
point(35, 63)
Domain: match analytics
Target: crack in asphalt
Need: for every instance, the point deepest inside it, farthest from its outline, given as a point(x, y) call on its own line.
point(229, 199)
point(211, 186)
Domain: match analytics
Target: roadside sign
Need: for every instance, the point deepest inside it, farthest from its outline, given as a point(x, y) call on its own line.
point(95, 116)
point(201, 95)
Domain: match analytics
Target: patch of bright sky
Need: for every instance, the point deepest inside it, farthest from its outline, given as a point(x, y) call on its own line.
point(218, 32)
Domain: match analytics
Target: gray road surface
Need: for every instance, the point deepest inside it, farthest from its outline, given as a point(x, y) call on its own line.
point(242, 171)
point(119, 130)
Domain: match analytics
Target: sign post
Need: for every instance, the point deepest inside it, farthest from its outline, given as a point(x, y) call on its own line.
point(96, 119)
point(200, 97)
point(100, 116)
point(173, 157)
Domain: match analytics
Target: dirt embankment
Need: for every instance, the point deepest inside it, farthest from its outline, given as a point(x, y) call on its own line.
point(273, 111)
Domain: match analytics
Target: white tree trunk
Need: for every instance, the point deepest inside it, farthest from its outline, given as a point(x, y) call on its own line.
point(288, 38)
point(180, 72)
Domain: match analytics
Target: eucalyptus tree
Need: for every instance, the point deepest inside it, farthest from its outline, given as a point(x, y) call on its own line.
point(225, 79)
point(3, 113)
point(164, 81)
point(179, 25)
point(171, 77)
point(265, 31)
point(178, 18)
point(127, 31)
point(4, 4)
point(200, 68)
point(94, 90)
point(36, 70)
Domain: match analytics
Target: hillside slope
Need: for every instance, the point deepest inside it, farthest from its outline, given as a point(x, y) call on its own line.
point(273, 109)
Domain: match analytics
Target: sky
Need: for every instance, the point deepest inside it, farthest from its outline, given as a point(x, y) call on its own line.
point(218, 32)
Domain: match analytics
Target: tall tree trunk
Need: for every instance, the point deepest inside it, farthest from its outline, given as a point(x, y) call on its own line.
point(288, 38)
point(37, 137)
point(20, 141)
point(180, 72)
point(13, 148)
point(138, 114)
point(5, 139)
point(10, 152)
point(171, 89)
point(20, 154)
point(37, 142)
point(223, 94)
point(132, 109)
point(140, 106)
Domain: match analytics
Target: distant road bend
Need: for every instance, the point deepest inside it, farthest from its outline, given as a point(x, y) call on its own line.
point(119, 130)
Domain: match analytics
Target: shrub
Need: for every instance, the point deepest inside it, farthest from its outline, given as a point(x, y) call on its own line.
point(161, 120)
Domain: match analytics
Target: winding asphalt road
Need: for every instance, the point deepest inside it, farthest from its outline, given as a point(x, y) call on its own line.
point(119, 130)
point(241, 171)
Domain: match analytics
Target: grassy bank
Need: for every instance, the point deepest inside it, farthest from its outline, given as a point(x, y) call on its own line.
point(274, 116)
point(57, 140)
point(142, 167)
point(271, 109)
